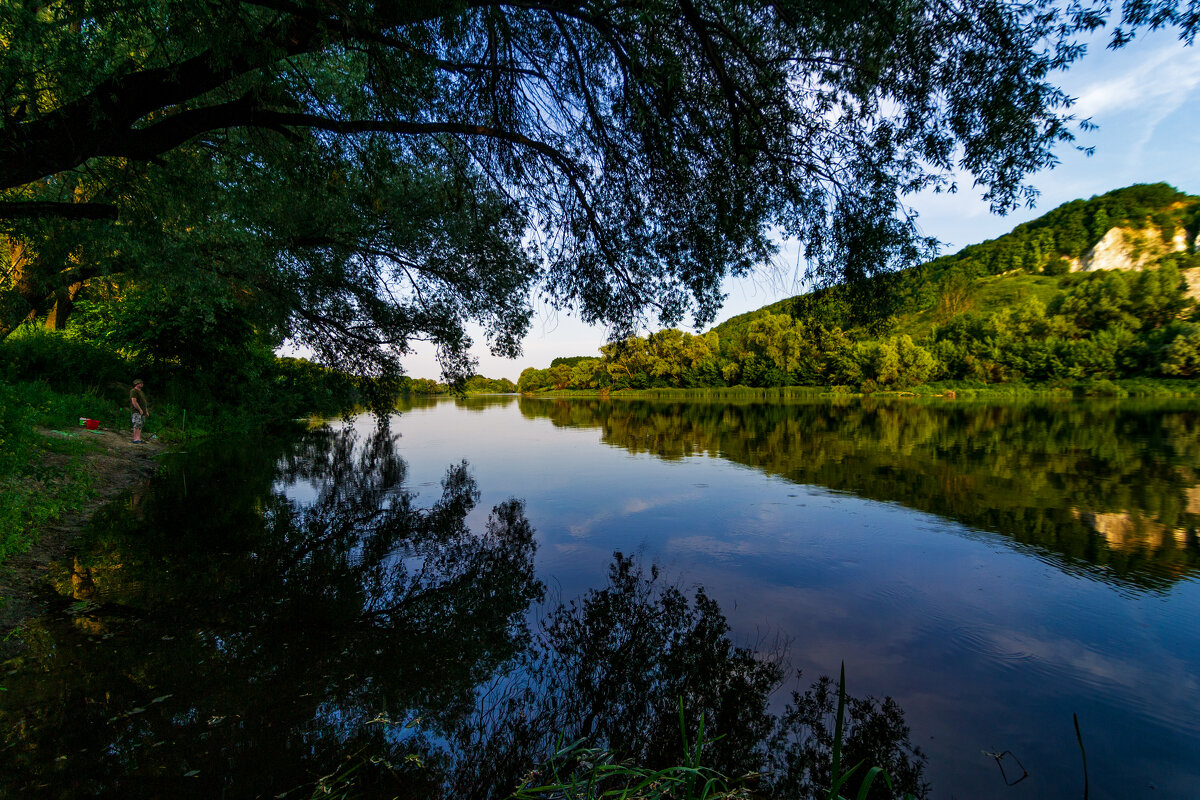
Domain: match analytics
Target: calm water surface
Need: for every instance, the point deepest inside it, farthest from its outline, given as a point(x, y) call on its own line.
point(259, 613)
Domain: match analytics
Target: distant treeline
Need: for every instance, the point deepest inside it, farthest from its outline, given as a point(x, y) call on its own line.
point(996, 312)
point(476, 384)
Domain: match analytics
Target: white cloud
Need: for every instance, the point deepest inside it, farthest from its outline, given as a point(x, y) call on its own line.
point(634, 505)
point(1162, 80)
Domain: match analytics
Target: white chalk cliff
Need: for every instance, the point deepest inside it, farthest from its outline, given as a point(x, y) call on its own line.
point(1136, 248)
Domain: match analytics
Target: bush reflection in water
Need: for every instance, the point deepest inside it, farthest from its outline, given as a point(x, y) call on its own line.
point(212, 637)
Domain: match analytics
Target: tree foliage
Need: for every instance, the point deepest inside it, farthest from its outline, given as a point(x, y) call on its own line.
point(379, 173)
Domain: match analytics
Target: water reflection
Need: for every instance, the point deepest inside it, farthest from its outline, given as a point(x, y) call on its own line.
point(1110, 490)
point(622, 667)
point(230, 640)
point(471, 402)
point(272, 619)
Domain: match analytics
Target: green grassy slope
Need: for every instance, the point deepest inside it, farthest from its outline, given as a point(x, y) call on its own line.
point(998, 273)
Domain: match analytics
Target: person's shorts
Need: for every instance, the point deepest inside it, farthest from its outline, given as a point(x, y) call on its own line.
point(138, 420)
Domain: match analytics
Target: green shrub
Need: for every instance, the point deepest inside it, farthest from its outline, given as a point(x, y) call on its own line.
point(1100, 387)
point(67, 365)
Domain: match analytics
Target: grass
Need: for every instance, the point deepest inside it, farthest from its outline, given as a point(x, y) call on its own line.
point(576, 772)
point(1096, 387)
point(707, 393)
point(50, 380)
point(871, 775)
point(580, 773)
point(41, 476)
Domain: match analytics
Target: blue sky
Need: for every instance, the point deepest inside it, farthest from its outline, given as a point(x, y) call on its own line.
point(1146, 100)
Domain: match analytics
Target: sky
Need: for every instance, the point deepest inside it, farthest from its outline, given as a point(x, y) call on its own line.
point(1145, 98)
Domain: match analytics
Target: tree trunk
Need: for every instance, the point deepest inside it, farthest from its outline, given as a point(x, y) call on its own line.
point(21, 296)
point(64, 304)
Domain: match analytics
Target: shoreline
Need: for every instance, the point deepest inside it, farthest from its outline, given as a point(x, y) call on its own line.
point(1124, 388)
point(114, 466)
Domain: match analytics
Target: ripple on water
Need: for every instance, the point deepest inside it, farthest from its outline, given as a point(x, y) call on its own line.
point(992, 644)
point(1069, 667)
point(893, 593)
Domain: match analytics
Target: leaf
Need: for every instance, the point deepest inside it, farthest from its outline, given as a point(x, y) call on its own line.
point(872, 774)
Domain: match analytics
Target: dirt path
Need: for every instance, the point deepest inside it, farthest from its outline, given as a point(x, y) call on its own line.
point(116, 466)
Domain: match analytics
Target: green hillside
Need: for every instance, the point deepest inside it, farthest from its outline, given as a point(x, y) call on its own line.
point(1095, 289)
point(1019, 264)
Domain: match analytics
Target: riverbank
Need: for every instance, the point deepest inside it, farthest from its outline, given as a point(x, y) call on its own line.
point(49, 380)
point(1101, 387)
point(82, 471)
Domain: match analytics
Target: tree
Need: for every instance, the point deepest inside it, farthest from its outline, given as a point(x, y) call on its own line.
point(560, 376)
point(1099, 300)
point(1160, 296)
point(532, 379)
point(379, 173)
point(779, 340)
point(588, 373)
point(1182, 356)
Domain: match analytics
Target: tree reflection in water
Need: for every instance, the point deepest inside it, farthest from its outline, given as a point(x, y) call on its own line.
point(225, 640)
point(617, 668)
point(252, 643)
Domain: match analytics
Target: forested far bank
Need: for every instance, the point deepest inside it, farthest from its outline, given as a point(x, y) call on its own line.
point(1096, 289)
point(476, 384)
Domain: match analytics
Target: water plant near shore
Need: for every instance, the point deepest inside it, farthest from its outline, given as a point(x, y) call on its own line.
point(577, 772)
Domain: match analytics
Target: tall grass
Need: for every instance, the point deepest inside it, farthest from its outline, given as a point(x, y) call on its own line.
point(844, 778)
point(576, 772)
point(707, 393)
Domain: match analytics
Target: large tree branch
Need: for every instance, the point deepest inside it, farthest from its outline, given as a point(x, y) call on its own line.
point(97, 122)
point(86, 127)
point(162, 137)
point(60, 210)
point(104, 120)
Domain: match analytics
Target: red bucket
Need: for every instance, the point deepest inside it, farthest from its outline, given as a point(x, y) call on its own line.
point(92, 424)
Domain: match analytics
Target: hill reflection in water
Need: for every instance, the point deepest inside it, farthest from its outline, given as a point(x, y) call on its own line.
point(1107, 489)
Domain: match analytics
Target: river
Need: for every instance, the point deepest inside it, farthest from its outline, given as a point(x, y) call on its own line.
point(421, 609)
